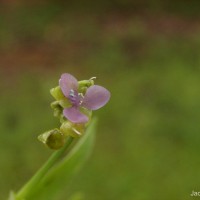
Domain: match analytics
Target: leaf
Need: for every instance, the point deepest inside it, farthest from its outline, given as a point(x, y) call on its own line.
point(58, 177)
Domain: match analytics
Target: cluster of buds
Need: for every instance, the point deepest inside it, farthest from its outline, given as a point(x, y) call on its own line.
point(73, 105)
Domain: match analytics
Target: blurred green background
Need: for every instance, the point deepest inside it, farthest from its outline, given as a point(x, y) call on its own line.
point(147, 53)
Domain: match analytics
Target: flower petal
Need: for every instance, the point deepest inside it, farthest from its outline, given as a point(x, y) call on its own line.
point(96, 97)
point(68, 82)
point(74, 115)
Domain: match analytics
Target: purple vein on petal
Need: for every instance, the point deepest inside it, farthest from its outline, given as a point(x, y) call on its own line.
point(68, 82)
point(96, 97)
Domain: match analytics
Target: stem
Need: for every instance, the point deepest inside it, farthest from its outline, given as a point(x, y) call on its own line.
point(32, 183)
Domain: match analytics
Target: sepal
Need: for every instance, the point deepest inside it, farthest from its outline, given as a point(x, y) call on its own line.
point(57, 93)
point(74, 130)
point(54, 139)
point(57, 109)
point(84, 85)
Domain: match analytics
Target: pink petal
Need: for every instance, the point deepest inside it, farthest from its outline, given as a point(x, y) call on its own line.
point(67, 82)
point(96, 96)
point(74, 115)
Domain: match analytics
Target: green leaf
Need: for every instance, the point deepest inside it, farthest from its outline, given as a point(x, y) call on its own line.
point(60, 175)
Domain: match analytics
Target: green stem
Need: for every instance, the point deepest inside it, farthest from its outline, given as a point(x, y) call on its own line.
point(32, 183)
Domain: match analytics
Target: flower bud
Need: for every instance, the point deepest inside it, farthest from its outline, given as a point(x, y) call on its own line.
point(83, 85)
point(56, 108)
point(57, 93)
point(65, 103)
point(54, 139)
point(74, 130)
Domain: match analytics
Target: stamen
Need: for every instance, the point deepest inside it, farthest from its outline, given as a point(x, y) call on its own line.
point(93, 78)
point(75, 97)
point(80, 98)
point(77, 132)
point(71, 93)
point(81, 94)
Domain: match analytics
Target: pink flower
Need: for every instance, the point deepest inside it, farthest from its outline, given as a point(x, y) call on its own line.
point(95, 97)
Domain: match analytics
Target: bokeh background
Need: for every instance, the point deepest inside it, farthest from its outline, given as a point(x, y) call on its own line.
point(147, 53)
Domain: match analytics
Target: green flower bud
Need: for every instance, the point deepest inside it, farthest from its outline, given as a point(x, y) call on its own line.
point(54, 139)
point(57, 93)
point(57, 108)
point(83, 85)
point(65, 103)
point(74, 130)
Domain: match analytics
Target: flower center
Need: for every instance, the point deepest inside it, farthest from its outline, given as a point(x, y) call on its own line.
point(75, 98)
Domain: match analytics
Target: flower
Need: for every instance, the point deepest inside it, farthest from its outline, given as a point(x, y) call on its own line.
point(94, 98)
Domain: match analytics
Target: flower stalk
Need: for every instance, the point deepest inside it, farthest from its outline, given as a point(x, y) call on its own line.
point(29, 187)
